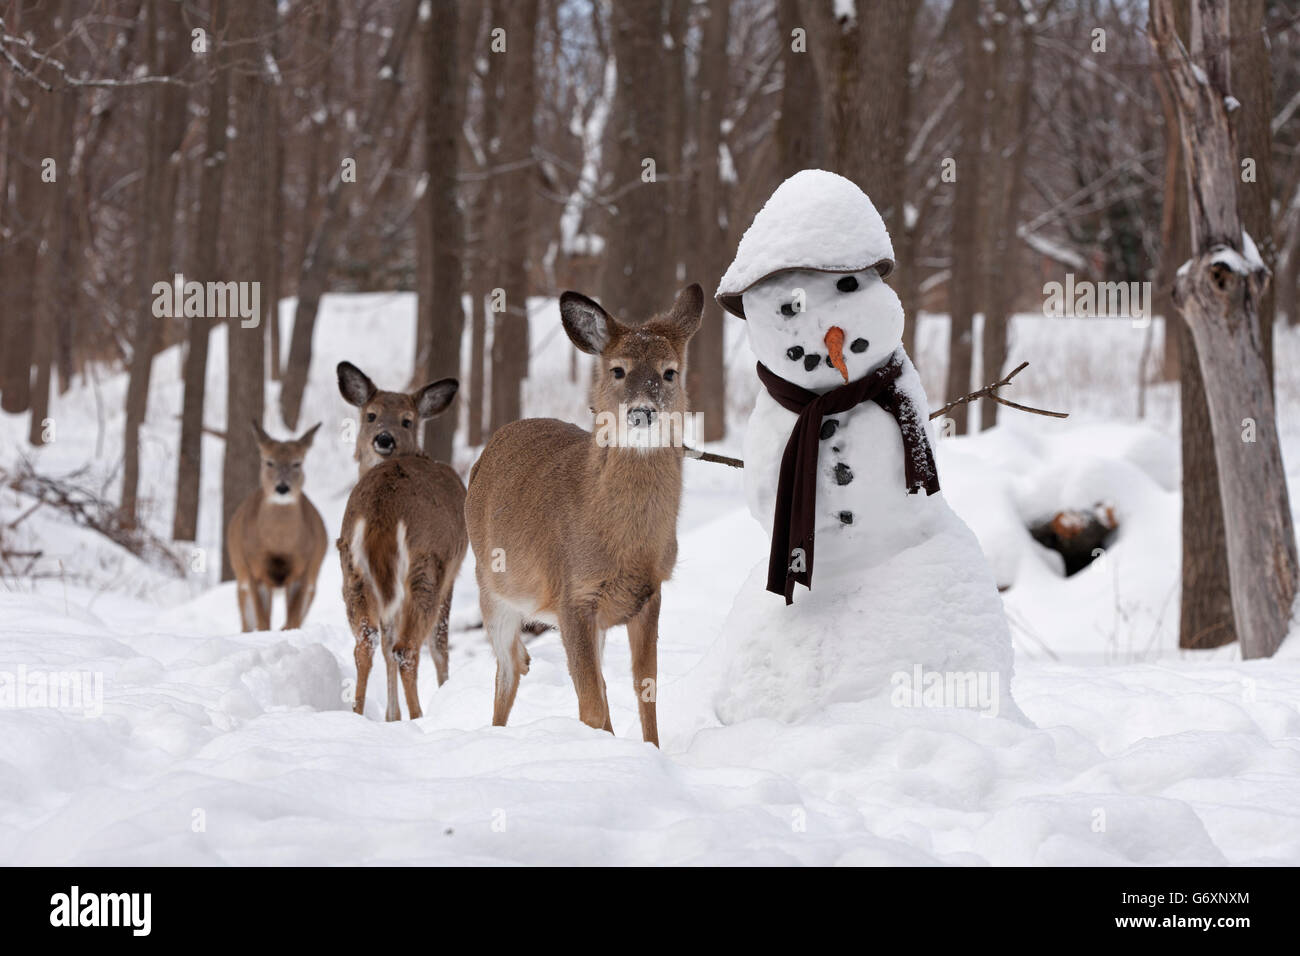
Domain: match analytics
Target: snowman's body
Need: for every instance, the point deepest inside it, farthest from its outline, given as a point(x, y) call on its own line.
point(862, 507)
point(900, 587)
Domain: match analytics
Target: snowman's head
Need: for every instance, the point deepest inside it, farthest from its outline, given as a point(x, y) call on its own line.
point(823, 329)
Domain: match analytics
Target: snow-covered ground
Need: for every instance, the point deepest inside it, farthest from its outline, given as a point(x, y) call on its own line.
point(210, 746)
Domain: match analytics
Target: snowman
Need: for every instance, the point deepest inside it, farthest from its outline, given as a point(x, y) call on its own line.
point(873, 589)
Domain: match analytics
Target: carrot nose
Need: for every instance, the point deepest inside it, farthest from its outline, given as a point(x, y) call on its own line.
point(835, 347)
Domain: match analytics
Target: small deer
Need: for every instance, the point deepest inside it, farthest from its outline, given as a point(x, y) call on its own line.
point(403, 536)
point(276, 538)
point(579, 529)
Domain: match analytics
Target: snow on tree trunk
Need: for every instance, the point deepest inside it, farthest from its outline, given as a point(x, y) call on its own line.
point(1219, 291)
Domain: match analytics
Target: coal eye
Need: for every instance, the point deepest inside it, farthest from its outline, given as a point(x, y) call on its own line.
point(370, 417)
point(618, 371)
point(788, 310)
point(847, 284)
point(670, 375)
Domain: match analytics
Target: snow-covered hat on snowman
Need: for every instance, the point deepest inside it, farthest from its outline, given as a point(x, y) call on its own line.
point(816, 220)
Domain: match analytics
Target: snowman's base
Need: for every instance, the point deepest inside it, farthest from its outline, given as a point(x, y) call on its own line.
point(924, 628)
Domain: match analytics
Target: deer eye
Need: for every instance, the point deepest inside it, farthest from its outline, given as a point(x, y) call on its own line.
point(787, 309)
point(670, 374)
point(297, 464)
point(406, 423)
point(370, 417)
point(618, 371)
point(270, 464)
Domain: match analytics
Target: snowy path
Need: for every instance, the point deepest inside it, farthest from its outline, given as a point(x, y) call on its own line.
point(237, 749)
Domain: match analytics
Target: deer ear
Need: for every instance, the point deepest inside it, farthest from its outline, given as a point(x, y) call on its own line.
point(354, 386)
point(262, 437)
point(433, 399)
point(308, 435)
point(688, 310)
point(588, 326)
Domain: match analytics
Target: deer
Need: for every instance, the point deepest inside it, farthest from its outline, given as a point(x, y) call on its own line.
point(578, 529)
point(276, 538)
point(403, 537)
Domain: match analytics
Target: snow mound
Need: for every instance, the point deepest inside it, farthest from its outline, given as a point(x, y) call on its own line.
point(923, 628)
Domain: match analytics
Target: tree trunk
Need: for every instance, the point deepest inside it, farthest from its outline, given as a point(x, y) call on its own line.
point(1012, 113)
point(481, 253)
point(1205, 618)
point(800, 135)
point(323, 246)
point(203, 268)
point(1252, 84)
point(1173, 235)
point(510, 340)
point(167, 46)
point(56, 285)
point(638, 276)
point(441, 312)
point(1219, 293)
point(967, 234)
point(706, 366)
point(251, 245)
point(27, 200)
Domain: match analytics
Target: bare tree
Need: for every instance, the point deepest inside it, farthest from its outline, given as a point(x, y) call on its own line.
point(1219, 292)
point(203, 268)
point(54, 293)
point(967, 233)
point(799, 130)
point(441, 314)
point(1252, 81)
point(510, 340)
point(707, 369)
point(24, 206)
point(480, 252)
point(251, 242)
point(333, 217)
point(166, 48)
point(638, 276)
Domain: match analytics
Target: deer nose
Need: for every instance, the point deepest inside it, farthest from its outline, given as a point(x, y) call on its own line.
point(641, 417)
point(282, 489)
point(384, 443)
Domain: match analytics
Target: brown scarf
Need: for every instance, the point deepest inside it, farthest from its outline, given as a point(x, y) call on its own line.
point(796, 491)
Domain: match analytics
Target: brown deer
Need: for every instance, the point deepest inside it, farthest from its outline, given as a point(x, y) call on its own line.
point(276, 538)
point(403, 536)
point(579, 529)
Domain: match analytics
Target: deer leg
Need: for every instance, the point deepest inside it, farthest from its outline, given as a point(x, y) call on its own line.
point(419, 617)
point(388, 645)
point(408, 666)
point(363, 653)
point(438, 646)
point(502, 625)
point(295, 608)
point(582, 647)
point(247, 609)
point(261, 605)
point(643, 634)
